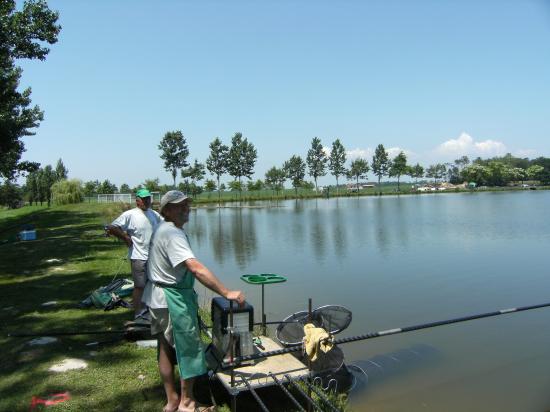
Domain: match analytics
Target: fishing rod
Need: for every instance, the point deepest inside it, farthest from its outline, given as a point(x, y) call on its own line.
point(387, 332)
point(59, 333)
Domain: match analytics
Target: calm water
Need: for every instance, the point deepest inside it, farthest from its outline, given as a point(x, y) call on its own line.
point(399, 261)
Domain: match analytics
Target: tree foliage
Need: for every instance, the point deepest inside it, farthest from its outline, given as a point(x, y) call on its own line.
point(316, 160)
point(275, 178)
point(358, 170)
point(23, 35)
point(217, 161)
point(67, 191)
point(295, 169)
point(416, 172)
point(174, 152)
point(380, 162)
point(61, 172)
point(398, 167)
point(337, 160)
point(241, 157)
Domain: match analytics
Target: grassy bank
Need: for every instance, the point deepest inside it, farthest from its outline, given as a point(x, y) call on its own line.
point(69, 259)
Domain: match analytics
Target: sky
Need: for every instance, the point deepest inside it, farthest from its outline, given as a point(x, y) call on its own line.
point(436, 79)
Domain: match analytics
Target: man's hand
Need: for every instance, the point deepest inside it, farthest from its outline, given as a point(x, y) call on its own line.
point(236, 295)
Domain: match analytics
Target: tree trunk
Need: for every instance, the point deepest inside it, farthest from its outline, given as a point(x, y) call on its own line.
point(174, 172)
point(219, 192)
point(398, 183)
point(337, 189)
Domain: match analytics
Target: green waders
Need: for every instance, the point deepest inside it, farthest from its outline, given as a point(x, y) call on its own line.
point(183, 308)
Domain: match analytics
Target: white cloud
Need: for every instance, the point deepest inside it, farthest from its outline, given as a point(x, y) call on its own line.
point(369, 152)
point(359, 153)
point(465, 145)
point(530, 153)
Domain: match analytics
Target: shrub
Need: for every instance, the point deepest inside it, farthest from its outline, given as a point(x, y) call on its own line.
point(67, 191)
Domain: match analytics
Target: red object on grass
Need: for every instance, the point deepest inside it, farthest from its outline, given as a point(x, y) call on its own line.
point(50, 400)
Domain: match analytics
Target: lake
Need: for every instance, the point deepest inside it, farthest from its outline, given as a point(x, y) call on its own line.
point(396, 261)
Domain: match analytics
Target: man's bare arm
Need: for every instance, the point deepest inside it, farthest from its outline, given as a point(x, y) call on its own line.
point(208, 279)
point(119, 233)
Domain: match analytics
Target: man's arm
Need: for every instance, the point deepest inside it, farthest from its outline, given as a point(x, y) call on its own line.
point(208, 279)
point(119, 233)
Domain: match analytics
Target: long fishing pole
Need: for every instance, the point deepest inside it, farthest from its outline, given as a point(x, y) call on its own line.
point(387, 332)
point(60, 333)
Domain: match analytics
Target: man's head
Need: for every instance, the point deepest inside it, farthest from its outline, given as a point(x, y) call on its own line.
point(175, 207)
point(143, 199)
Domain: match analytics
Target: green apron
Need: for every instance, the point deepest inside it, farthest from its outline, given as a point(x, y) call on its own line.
point(183, 308)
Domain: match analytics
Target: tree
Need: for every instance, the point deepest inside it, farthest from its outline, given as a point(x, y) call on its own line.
point(358, 170)
point(152, 185)
point(416, 172)
point(475, 173)
point(196, 173)
point(61, 172)
point(32, 189)
point(107, 188)
point(124, 188)
point(91, 187)
point(275, 179)
point(380, 163)
point(316, 160)
point(10, 195)
point(255, 186)
point(398, 167)
point(217, 161)
point(337, 160)
point(210, 185)
point(235, 186)
point(534, 172)
point(295, 169)
point(241, 158)
point(46, 178)
point(174, 152)
point(67, 191)
point(22, 36)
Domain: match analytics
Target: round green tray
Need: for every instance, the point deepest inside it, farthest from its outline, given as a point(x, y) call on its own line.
point(263, 278)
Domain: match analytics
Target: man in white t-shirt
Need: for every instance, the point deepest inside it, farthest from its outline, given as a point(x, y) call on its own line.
point(135, 228)
point(172, 301)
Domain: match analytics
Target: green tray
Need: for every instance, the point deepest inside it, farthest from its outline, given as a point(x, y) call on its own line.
point(263, 278)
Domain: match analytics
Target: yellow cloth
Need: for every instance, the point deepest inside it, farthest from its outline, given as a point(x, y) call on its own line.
point(315, 340)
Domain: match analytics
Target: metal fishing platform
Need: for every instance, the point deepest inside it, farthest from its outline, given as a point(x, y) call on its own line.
point(259, 374)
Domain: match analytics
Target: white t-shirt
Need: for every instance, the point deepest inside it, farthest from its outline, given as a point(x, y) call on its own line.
point(139, 225)
point(169, 248)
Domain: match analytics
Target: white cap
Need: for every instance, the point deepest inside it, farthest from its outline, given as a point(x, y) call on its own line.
point(172, 196)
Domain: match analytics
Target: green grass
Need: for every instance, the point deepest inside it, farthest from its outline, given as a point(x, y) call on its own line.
point(120, 376)
point(72, 234)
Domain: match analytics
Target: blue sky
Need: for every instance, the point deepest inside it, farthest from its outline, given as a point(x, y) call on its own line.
point(437, 79)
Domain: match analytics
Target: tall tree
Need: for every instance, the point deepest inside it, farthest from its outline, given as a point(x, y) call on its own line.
point(217, 161)
point(124, 188)
point(380, 163)
point(275, 178)
point(196, 173)
point(358, 170)
point(416, 172)
point(337, 161)
point(32, 189)
point(241, 158)
point(174, 152)
point(295, 169)
point(398, 167)
point(22, 36)
point(316, 160)
point(46, 178)
point(61, 172)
